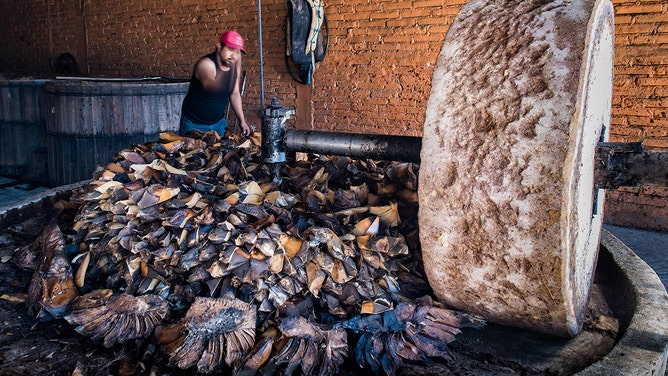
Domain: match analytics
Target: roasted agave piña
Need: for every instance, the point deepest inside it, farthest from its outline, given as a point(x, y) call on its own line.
point(213, 331)
point(52, 287)
point(412, 333)
point(117, 318)
point(300, 346)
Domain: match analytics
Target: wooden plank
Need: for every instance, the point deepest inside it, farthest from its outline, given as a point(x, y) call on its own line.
point(304, 107)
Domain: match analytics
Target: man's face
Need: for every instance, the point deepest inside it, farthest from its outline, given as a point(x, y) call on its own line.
point(228, 56)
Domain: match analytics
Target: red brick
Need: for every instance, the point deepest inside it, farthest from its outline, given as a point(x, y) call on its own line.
point(647, 102)
point(656, 133)
point(624, 70)
point(634, 29)
point(384, 15)
point(626, 131)
point(656, 144)
point(653, 81)
point(653, 190)
point(397, 5)
point(639, 9)
point(650, 18)
point(401, 22)
point(367, 8)
point(434, 21)
point(621, 19)
point(418, 13)
point(632, 111)
point(428, 3)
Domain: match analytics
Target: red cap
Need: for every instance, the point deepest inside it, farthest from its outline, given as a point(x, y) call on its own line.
point(233, 40)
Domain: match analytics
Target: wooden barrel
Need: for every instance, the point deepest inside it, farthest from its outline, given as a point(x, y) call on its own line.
point(23, 130)
point(89, 121)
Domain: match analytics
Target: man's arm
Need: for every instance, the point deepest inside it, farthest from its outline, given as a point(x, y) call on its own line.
point(235, 101)
point(205, 72)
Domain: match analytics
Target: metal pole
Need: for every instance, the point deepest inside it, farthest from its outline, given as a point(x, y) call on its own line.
point(227, 113)
point(259, 37)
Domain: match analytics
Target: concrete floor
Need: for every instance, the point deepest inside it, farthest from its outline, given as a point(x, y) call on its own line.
point(12, 191)
point(651, 246)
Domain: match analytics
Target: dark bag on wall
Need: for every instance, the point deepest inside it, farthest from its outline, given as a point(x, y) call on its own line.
point(305, 40)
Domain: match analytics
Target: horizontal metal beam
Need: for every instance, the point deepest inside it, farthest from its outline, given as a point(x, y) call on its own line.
point(382, 147)
point(616, 164)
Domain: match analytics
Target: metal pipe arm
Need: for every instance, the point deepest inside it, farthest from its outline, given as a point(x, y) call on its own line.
point(383, 147)
point(617, 164)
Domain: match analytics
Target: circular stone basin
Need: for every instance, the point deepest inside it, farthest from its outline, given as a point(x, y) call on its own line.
point(626, 331)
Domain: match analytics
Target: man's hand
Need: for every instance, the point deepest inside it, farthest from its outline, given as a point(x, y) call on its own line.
point(245, 129)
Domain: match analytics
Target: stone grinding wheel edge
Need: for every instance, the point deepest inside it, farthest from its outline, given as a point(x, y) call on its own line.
point(500, 143)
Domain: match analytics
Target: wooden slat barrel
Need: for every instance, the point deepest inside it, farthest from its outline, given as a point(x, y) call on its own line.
point(23, 130)
point(88, 121)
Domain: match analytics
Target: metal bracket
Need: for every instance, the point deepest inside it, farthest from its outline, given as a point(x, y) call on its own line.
point(620, 164)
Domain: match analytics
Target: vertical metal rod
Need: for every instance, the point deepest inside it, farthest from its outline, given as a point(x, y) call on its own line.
point(227, 113)
point(259, 37)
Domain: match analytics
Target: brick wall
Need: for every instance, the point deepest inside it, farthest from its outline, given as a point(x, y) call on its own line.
point(25, 40)
point(34, 33)
point(374, 79)
point(640, 105)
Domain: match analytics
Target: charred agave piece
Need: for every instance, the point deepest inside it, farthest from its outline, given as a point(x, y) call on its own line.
point(52, 286)
point(313, 348)
point(259, 354)
point(117, 318)
point(213, 331)
point(412, 333)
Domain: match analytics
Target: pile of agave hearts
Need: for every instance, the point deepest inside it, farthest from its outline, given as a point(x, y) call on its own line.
point(190, 245)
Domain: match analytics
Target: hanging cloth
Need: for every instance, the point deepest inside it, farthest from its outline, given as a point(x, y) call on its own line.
point(317, 15)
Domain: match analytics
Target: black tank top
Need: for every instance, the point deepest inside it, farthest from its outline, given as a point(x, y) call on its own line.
point(208, 107)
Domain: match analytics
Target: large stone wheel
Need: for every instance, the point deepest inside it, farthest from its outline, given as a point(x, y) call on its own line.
point(509, 217)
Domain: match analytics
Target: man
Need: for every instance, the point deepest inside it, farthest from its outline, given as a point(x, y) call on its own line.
point(213, 84)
